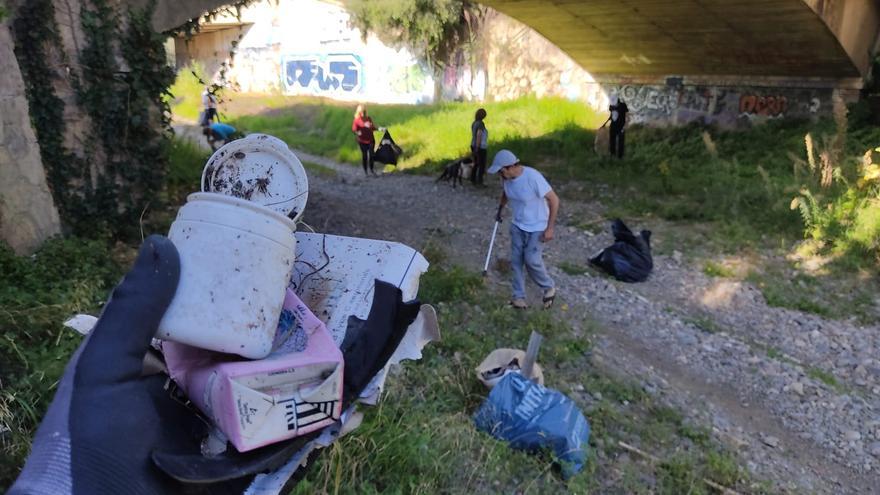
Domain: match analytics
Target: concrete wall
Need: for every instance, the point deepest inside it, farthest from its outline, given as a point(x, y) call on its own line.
point(521, 61)
point(726, 106)
point(509, 60)
point(305, 47)
point(614, 38)
point(855, 23)
point(27, 211)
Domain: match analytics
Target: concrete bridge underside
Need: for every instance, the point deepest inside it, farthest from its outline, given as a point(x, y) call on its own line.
point(826, 39)
point(784, 38)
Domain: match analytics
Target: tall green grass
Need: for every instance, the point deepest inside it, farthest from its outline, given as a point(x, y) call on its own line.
point(37, 293)
point(421, 437)
point(429, 135)
point(740, 182)
point(186, 92)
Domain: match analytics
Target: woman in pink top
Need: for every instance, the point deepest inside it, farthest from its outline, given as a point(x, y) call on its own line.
point(363, 128)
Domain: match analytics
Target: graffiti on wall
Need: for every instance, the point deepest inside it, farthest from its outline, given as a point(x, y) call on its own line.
point(647, 100)
point(770, 106)
point(329, 74)
point(679, 104)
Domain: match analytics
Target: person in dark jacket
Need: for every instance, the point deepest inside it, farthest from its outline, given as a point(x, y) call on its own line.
point(617, 118)
point(479, 147)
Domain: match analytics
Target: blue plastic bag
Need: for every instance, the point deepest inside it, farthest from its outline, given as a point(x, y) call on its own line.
point(531, 417)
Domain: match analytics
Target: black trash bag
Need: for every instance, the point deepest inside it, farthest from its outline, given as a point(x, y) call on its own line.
point(388, 151)
point(629, 258)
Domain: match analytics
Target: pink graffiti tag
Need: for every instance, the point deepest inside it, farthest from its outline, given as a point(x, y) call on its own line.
point(771, 106)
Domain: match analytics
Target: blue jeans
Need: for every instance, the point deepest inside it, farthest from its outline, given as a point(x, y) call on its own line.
point(525, 249)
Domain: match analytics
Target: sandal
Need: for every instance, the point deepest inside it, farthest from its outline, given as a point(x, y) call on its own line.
point(519, 304)
point(549, 296)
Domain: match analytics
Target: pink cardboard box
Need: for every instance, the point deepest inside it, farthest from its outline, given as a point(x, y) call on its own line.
point(294, 390)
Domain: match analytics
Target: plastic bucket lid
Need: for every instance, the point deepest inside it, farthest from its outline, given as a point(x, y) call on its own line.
point(262, 169)
point(240, 215)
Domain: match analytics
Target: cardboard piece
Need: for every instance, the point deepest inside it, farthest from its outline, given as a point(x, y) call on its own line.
point(502, 361)
point(295, 390)
point(335, 277)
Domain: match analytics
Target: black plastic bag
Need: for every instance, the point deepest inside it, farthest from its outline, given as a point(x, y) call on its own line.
point(388, 151)
point(629, 258)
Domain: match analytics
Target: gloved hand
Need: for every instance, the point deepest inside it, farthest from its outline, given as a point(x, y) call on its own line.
point(111, 430)
point(106, 419)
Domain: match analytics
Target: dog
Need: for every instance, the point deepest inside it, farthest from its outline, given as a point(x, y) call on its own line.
point(457, 171)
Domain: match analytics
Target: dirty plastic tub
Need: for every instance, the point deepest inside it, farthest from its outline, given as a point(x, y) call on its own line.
point(236, 258)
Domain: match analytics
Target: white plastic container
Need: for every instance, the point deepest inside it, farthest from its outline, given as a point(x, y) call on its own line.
point(236, 258)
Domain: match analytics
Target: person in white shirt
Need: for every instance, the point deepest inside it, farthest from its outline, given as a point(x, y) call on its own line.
point(209, 104)
point(534, 205)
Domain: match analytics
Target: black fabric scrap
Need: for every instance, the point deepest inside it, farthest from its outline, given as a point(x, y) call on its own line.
point(367, 346)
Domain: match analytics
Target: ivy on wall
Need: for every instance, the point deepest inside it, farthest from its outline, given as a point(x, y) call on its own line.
point(35, 35)
point(124, 77)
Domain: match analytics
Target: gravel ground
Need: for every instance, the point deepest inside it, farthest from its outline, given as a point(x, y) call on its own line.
point(774, 408)
point(797, 396)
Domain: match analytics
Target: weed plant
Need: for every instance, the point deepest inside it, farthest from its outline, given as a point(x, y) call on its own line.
point(421, 437)
point(37, 293)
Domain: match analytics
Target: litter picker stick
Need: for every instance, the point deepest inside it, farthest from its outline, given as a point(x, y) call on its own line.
point(491, 243)
point(531, 354)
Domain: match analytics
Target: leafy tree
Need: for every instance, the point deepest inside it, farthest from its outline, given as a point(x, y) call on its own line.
point(434, 30)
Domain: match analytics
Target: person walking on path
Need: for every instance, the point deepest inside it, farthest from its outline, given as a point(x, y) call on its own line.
point(209, 107)
point(479, 147)
point(363, 128)
point(534, 205)
point(617, 118)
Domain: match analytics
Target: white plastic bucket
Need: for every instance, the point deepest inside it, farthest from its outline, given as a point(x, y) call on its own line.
point(236, 258)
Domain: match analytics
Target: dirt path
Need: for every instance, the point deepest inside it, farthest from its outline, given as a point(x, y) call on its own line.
point(796, 395)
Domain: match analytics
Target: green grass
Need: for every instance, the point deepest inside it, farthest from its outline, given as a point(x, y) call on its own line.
point(186, 162)
point(740, 182)
point(704, 323)
point(319, 170)
point(573, 268)
point(430, 135)
point(186, 92)
point(37, 293)
point(713, 269)
point(421, 438)
point(836, 295)
point(824, 377)
point(774, 353)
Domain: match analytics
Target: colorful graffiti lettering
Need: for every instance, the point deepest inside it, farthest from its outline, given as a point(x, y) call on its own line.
point(323, 74)
point(650, 99)
point(771, 106)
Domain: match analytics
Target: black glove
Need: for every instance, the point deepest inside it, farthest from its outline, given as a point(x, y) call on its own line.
point(106, 419)
point(111, 430)
point(367, 346)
